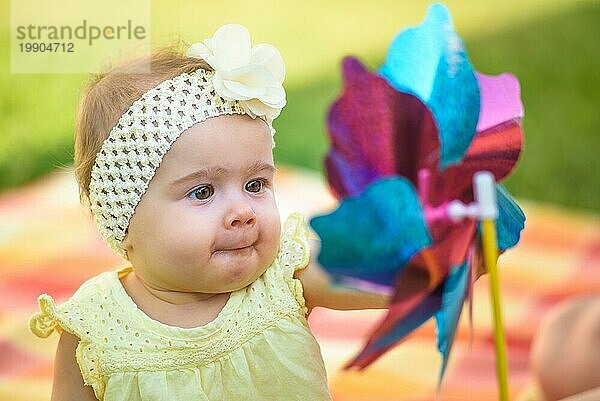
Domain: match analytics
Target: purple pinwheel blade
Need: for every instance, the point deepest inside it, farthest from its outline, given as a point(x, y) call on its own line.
point(376, 132)
point(500, 100)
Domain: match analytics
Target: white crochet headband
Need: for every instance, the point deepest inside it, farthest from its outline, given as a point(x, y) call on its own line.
point(245, 81)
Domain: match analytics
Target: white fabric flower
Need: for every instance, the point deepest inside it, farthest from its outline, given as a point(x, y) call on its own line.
point(252, 75)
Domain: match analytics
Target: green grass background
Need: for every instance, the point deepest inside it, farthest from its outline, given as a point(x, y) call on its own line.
point(552, 46)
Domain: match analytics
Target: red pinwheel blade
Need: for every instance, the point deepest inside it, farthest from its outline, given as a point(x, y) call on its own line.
point(496, 150)
point(418, 292)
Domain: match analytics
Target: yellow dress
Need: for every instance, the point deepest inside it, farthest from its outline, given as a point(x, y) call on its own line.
point(259, 347)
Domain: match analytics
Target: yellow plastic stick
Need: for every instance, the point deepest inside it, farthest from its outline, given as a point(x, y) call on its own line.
point(490, 254)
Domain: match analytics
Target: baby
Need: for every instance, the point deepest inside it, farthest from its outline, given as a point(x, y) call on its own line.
point(177, 168)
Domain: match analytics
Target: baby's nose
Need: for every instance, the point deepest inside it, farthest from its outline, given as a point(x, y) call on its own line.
point(240, 217)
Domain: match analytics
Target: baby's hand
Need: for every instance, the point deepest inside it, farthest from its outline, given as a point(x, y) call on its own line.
point(564, 355)
point(320, 291)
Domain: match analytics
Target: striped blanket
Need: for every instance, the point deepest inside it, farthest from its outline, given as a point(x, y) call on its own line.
point(49, 244)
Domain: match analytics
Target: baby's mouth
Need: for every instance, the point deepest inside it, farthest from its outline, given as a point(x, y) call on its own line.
point(236, 248)
point(239, 248)
point(235, 252)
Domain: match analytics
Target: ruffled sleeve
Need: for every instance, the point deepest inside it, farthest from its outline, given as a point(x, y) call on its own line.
point(51, 317)
point(44, 322)
point(294, 254)
point(74, 318)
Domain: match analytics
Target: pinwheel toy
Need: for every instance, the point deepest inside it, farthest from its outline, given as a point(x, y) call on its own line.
point(406, 143)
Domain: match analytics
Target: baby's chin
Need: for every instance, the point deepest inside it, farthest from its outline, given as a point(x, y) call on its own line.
point(241, 278)
point(224, 283)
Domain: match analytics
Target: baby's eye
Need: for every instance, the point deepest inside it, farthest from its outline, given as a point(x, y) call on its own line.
point(255, 185)
point(202, 193)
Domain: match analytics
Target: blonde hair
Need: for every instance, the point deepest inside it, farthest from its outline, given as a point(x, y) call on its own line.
point(109, 94)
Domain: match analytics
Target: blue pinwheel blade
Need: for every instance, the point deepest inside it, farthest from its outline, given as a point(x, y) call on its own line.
point(372, 236)
point(430, 62)
point(511, 219)
point(447, 317)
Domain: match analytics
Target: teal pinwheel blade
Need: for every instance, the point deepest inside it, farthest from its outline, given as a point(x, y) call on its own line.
point(430, 62)
point(372, 236)
point(511, 219)
point(447, 317)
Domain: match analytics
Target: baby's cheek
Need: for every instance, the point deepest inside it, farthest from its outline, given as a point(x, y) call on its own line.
point(274, 237)
point(272, 251)
point(187, 255)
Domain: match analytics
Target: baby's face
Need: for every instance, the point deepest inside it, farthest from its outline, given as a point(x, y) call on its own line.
point(208, 221)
